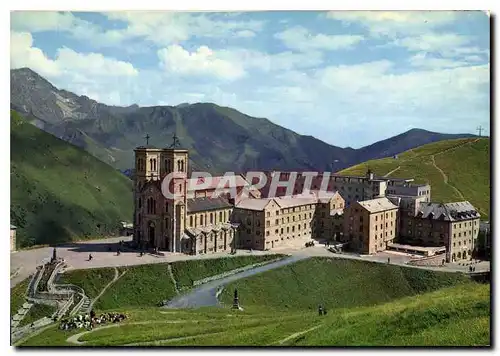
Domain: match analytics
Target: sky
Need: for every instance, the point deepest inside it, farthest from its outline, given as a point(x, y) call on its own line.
point(349, 78)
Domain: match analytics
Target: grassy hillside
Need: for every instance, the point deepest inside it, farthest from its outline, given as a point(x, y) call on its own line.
point(455, 316)
point(336, 283)
point(60, 192)
point(144, 286)
point(465, 163)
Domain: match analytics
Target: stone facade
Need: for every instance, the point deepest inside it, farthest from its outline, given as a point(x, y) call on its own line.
point(452, 225)
point(164, 222)
point(275, 222)
point(370, 225)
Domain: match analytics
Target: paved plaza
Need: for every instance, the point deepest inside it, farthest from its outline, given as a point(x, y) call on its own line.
point(24, 263)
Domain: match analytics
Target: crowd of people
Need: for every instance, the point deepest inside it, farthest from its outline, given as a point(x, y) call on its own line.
point(89, 321)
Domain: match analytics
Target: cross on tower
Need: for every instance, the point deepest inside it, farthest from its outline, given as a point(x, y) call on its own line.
point(480, 129)
point(147, 139)
point(176, 142)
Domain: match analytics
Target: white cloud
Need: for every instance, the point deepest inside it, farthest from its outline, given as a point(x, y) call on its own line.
point(392, 23)
point(423, 60)
point(23, 54)
point(175, 59)
point(160, 27)
point(299, 38)
point(433, 42)
point(245, 34)
point(165, 28)
point(266, 62)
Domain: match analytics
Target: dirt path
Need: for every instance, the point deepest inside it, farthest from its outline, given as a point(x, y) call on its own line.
point(156, 342)
point(391, 172)
point(115, 278)
point(445, 178)
point(293, 336)
point(73, 339)
point(172, 278)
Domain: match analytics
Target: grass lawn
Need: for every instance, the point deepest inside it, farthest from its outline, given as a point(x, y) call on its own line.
point(146, 285)
point(454, 316)
point(336, 283)
point(36, 312)
point(467, 167)
point(186, 272)
point(18, 296)
point(91, 280)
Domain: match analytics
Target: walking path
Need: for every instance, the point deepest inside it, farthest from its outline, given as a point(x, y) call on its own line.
point(115, 278)
point(445, 178)
point(391, 172)
point(293, 336)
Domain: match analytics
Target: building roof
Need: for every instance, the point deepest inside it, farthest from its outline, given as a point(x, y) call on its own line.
point(199, 183)
point(287, 201)
point(448, 212)
point(12, 227)
point(147, 147)
point(377, 205)
point(195, 205)
point(290, 201)
point(253, 204)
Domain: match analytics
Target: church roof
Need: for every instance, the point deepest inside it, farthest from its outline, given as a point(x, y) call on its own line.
point(146, 147)
point(195, 205)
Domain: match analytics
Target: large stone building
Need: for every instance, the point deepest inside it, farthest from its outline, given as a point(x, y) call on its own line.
point(274, 222)
point(352, 188)
point(370, 225)
point(454, 226)
point(188, 221)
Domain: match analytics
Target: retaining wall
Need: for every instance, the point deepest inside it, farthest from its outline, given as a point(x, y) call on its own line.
point(234, 271)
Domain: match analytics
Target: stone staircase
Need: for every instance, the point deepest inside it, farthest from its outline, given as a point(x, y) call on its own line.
point(85, 308)
point(62, 296)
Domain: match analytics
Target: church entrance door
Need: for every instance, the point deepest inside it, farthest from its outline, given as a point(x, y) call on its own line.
point(151, 234)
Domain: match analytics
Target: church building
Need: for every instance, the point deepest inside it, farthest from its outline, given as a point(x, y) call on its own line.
point(190, 221)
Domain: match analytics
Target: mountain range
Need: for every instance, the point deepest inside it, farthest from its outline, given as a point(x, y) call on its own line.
point(219, 138)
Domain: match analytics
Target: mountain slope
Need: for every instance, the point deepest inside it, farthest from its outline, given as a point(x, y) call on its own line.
point(219, 138)
point(60, 192)
point(456, 169)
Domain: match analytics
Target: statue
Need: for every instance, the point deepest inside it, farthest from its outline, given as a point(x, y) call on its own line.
point(54, 255)
point(236, 303)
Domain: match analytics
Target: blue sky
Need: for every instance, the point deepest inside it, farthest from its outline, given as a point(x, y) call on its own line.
point(347, 78)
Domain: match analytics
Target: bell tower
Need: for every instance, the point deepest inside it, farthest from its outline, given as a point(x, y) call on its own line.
point(147, 168)
point(174, 161)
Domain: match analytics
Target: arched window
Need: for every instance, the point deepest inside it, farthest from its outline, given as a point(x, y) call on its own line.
point(182, 166)
point(201, 220)
point(151, 164)
point(178, 165)
point(211, 218)
point(191, 221)
point(220, 217)
point(154, 164)
point(140, 203)
point(154, 206)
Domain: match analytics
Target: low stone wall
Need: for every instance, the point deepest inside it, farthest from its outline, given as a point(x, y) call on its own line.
point(436, 261)
point(65, 307)
point(234, 271)
point(78, 306)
